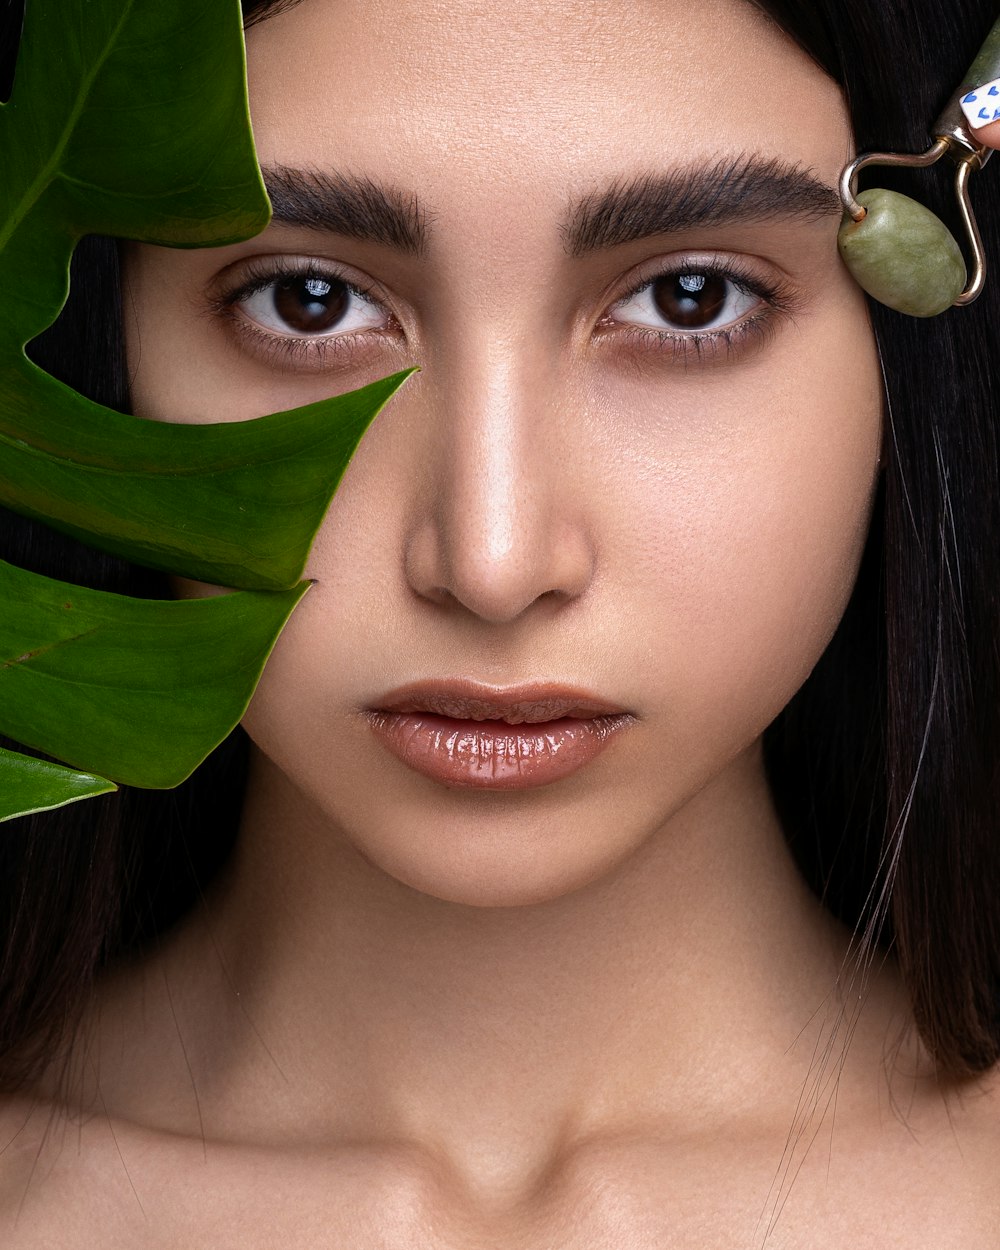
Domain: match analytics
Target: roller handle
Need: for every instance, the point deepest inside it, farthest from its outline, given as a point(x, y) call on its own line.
point(951, 124)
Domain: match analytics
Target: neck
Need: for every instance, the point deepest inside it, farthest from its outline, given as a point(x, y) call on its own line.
point(690, 966)
point(695, 978)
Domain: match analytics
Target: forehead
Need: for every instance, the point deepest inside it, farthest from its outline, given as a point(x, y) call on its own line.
point(515, 106)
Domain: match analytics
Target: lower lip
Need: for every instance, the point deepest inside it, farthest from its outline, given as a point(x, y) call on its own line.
point(492, 755)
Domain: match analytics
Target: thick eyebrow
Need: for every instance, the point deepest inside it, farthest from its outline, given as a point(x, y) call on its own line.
point(733, 189)
point(740, 188)
point(357, 207)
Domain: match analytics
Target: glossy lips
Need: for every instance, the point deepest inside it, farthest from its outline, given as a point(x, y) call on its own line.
point(463, 734)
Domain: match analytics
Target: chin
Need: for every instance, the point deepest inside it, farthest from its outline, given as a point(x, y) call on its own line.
point(483, 864)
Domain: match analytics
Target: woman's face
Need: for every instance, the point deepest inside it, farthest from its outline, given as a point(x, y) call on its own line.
point(640, 453)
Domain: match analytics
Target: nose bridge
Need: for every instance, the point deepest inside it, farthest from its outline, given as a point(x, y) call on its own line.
point(503, 529)
point(494, 495)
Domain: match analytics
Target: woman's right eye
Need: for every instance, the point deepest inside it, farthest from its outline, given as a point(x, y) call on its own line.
point(308, 305)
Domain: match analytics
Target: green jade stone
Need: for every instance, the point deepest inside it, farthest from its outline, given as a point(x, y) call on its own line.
point(902, 254)
point(986, 66)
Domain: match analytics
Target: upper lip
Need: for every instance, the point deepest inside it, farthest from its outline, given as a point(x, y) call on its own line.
point(464, 699)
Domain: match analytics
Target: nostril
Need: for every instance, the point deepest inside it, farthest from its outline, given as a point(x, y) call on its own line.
point(11, 26)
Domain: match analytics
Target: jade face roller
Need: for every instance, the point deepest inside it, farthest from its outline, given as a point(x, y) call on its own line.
point(897, 250)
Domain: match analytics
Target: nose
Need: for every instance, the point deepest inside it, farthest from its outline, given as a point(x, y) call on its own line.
point(506, 526)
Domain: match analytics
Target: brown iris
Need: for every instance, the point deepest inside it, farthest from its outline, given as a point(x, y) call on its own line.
point(310, 305)
point(690, 299)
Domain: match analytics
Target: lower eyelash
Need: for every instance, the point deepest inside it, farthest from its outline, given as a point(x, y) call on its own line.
point(710, 344)
point(318, 350)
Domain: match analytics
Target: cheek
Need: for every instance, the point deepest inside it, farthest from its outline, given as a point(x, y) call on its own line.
point(754, 526)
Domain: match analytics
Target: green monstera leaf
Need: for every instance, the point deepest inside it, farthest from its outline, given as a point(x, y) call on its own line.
point(130, 118)
point(176, 677)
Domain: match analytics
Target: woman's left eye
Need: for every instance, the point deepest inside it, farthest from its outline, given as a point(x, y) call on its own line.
point(689, 301)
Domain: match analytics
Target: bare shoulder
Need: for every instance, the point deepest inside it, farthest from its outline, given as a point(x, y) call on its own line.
point(925, 1157)
point(98, 1183)
point(952, 1117)
point(27, 1137)
point(64, 1179)
point(955, 1151)
point(970, 1114)
point(36, 1207)
point(26, 1125)
point(918, 1170)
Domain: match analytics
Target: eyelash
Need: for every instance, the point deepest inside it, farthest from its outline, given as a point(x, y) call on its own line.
point(698, 346)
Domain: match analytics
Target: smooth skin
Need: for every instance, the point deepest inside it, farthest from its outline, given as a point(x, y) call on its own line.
point(605, 1012)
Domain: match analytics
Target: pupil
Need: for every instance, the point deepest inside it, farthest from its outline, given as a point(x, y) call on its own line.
point(690, 299)
point(311, 305)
